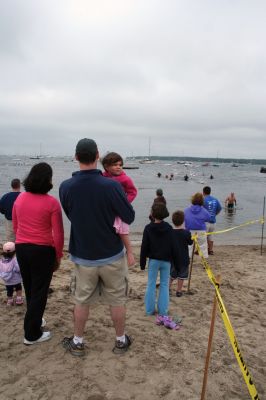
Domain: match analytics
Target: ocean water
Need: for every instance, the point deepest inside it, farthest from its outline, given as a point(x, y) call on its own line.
point(246, 181)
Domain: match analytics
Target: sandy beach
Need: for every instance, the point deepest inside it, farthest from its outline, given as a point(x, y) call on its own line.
point(161, 363)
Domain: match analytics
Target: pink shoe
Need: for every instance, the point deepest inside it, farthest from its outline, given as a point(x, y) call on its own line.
point(19, 301)
point(171, 325)
point(10, 302)
point(161, 319)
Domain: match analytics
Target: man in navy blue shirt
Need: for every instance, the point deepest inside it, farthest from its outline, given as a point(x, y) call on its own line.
point(214, 207)
point(6, 206)
point(91, 203)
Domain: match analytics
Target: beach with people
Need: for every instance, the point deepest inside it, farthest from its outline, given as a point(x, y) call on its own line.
point(165, 355)
point(132, 200)
point(161, 363)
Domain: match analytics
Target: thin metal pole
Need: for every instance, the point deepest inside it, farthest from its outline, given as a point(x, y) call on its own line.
point(262, 226)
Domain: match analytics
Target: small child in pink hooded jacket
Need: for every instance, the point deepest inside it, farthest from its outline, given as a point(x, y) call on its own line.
point(113, 165)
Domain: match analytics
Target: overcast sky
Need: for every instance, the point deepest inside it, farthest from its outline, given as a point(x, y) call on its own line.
point(190, 74)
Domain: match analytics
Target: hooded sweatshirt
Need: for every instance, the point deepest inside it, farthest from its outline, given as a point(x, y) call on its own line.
point(9, 271)
point(157, 243)
point(196, 217)
point(126, 182)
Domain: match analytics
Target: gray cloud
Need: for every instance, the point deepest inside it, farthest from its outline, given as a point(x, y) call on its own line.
point(190, 75)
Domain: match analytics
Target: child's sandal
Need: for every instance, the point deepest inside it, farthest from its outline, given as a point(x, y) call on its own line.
point(160, 319)
point(10, 302)
point(171, 325)
point(19, 301)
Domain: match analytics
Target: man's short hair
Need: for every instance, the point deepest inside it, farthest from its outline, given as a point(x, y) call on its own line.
point(207, 190)
point(159, 211)
point(159, 192)
point(15, 183)
point(86, 151)
point(178, 218)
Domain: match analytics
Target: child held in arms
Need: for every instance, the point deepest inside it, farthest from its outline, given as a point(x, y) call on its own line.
point(113, 166)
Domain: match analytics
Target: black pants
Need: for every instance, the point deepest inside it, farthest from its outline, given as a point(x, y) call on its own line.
point(10, 289)
point(36, 266)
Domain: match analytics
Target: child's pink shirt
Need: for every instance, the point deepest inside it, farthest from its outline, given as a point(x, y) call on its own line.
point(126, 182)
point(37, 219)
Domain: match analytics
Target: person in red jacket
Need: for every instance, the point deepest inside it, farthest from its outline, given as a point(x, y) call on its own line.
point(113, 165)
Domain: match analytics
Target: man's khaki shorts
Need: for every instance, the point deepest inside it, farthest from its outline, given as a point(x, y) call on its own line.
point(10, 235)
point(107, 284)
point(202, 241)
point(210, 228)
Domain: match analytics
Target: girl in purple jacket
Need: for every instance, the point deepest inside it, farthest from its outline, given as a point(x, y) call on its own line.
point(10, 273)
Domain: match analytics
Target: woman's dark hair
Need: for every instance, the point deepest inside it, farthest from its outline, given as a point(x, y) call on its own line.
point(178, 218)
point(39, 179)
point(111, 159)
point(197, 199)
point(159, 211)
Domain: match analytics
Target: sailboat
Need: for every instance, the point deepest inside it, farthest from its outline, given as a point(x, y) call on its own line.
point(147, 160)
point(37, 157)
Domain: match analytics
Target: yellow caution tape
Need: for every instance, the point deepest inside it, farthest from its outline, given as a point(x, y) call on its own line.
point(261, 221)
point(230, 331)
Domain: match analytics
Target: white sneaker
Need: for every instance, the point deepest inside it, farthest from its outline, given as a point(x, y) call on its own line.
point(43, 322)
point(45, 336)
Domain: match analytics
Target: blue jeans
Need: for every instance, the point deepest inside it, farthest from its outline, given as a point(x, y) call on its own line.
point(163, 267)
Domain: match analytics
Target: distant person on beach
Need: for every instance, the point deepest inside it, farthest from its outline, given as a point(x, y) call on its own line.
point(196, 217)
point(6, 206)
point(158, 199)
point(182, 239)
point(157, 246)
point(113, 165)
point(38, 226)
point(91, 203)
point(230, 201)
point(186, 177)
point(214, 207)
point(10, 273)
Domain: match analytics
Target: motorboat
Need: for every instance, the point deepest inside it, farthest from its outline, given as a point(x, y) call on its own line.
point(130, 166)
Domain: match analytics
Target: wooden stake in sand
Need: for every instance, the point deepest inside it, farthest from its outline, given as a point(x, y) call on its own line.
point(190, 267)
point(208, 355)
point(262, 227)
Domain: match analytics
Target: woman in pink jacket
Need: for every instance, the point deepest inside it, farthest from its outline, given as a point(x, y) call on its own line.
point(113, 165)
point(38, 226)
